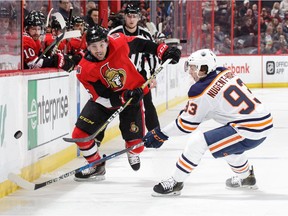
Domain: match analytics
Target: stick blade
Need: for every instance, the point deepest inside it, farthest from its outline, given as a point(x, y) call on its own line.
point(21, 182)
point(72, 34)
point(60, 19)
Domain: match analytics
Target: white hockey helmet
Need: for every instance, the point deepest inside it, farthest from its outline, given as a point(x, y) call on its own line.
point(203, 57)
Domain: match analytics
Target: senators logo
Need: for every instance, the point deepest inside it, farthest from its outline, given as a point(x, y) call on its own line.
point(115, 78)
point(134, 128)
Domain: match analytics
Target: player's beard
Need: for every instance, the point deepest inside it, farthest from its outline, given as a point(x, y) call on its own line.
point(35, 37)
point(99, 55)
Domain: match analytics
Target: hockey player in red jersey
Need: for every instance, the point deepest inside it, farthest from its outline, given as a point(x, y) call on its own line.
point(112, 79)
point(32, 46)
point(77, 46)
point(50, 37)
point(220, 95)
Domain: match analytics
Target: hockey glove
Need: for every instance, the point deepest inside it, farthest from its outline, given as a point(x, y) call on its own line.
point(164, 52)
point(64, 62)
point(136, 94)
point(154, 138)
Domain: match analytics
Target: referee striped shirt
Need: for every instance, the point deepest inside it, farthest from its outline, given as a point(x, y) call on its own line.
point(138, 58)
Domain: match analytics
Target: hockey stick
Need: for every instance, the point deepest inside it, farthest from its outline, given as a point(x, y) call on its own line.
point(118, 111)
point(48, 17)
point(34, 186)
point(62, 23)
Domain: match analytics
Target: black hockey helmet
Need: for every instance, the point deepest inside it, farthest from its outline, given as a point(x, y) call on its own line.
point(4, 13)
point(55, 24)
point(77, 19)
point(131, 9)
point(34, 18)
point(96, 33)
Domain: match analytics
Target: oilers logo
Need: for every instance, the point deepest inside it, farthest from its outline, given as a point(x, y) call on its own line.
point(115, 78)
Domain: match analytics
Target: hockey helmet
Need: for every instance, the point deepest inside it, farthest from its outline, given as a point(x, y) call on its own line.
point(95, 34)
point(4, 13)
point(34, 18)
point(55, 24)
point(77, 19)
point(202, 57)
point(131, 9)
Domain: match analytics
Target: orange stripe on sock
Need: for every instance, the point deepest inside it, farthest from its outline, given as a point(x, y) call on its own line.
point(185, 165)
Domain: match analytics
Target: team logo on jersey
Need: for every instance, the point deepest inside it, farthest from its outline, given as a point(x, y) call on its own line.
point(134, 128)
point(115, 78)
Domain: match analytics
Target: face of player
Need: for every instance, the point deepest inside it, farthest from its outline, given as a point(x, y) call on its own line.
point(34, 32)
point(79, 26)
point(4, 24)
point(131, 21)
point(195, 73)
point(98, 49)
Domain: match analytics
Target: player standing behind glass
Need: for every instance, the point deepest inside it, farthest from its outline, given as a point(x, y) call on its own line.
point(33, 26)
point(111, 79)
point(220, 95)
point(131, 28)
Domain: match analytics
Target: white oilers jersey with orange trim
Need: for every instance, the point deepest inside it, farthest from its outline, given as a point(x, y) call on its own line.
point(223, 96)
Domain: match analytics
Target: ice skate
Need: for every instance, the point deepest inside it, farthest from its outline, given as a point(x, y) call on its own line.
point(237, 183)
point(168, 187)
point(95, 173)
point(134, 161)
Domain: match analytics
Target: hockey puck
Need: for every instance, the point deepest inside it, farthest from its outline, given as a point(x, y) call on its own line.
point(18, 134)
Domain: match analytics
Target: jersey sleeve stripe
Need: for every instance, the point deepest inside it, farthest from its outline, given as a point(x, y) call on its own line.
point(184, 125)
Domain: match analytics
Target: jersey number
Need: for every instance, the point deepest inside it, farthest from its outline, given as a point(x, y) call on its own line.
point(191, 108)
point(29, 53)
point(236, 97)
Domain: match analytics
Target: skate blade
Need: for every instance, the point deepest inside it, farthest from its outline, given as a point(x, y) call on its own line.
point(91, 179)
point(244, 188)
point(175, 193)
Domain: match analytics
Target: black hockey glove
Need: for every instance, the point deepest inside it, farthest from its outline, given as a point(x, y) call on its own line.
point(154, 138)
point(165, 52)
point(64, 62)
point(172, 53)
point(136, 94)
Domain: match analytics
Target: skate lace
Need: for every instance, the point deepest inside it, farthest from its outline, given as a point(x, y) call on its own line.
point(133, 158)
point(235, 180)
point(88, 170)
point(168, 184)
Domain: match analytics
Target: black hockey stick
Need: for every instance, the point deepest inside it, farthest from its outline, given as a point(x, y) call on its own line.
point(34, 186)
point(118, 111)
point(62, 23)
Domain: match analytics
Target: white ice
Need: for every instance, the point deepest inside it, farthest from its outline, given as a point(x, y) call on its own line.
point(125, 192)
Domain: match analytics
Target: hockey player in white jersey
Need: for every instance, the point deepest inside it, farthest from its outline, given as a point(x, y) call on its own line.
point(220, 95)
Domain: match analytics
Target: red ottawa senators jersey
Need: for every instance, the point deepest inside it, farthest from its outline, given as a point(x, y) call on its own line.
point(75, 45)
point(31, 48)
point(49, 38)
point(117, 71)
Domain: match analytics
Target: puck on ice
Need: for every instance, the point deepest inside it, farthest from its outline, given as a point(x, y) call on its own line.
point(18, 134)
